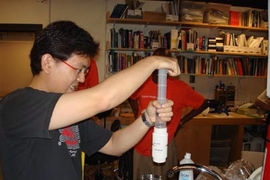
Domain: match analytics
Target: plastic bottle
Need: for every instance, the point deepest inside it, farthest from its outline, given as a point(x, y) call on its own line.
point(186, 174)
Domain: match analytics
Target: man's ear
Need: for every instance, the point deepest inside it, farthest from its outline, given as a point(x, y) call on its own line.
point(46, 61)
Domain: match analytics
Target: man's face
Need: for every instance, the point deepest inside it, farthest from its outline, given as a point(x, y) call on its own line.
point(65, 76)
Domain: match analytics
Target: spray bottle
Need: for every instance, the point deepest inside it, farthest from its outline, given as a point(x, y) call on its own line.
point(160, 135)
point(186, 174)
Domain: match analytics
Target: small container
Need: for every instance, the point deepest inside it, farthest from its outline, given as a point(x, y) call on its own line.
point(186, 174)
point(150, 177)
point(239, 170)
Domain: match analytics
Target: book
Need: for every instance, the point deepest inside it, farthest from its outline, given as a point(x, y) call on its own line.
point(248, 18)
point(234, 18)
point(219, 44)
point(239, 66)
point(183, 36)
point(174, 38)
point(124, 35)
point(119, 10)
point(211, 46)
point(113, 37)
point(264, 46)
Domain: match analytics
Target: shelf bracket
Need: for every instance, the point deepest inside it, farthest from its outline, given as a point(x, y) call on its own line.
point(146, 24)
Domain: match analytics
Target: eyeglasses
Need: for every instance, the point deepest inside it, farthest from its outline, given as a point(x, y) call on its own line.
point(78, 71)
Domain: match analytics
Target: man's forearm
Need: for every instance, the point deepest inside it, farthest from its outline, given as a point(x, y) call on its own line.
point(193, 113)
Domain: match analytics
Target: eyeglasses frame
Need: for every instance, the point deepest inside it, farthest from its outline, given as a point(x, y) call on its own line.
point(78, 71)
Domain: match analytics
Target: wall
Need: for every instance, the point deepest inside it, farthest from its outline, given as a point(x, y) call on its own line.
point(245, 91)
point(89, 14)
point(14, 66)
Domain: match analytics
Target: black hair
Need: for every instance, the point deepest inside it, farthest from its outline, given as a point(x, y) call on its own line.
point(162, 52)
point(62, 39)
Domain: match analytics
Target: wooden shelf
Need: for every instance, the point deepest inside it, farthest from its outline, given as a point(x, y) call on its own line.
point(220, 75)
point(191, 52)
point(187, 52)
point(224, 53)
point(183, 24)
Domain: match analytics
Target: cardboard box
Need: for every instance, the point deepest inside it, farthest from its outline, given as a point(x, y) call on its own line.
point(192, 11)
point(153, 16)
point(255, 158)
point(134, 14)
point(236, 49)
point(216, 13)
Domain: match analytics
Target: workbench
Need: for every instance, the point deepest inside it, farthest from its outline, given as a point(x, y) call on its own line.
point(196, 135)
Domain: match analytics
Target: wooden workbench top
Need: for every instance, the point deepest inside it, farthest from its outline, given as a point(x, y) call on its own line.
point(223, 119)
point(210, 119)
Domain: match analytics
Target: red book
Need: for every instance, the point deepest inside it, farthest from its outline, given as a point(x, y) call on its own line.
point(234, 18)
point(239, 66)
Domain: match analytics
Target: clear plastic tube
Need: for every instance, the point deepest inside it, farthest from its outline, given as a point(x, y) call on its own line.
point(162, 90)
point(160, 135)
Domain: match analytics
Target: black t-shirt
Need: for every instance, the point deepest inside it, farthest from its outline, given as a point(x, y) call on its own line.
point(29, 151)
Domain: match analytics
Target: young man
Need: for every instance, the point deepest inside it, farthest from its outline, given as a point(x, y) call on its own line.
point(42, 132)
point(183, 96)
point(91, 79)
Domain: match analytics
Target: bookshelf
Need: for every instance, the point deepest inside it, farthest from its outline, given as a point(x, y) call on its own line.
point(145, 51)
point(247, 87)
point(187, 23)
point(193, 52)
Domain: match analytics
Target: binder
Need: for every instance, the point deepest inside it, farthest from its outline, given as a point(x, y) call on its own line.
point(119, 10)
